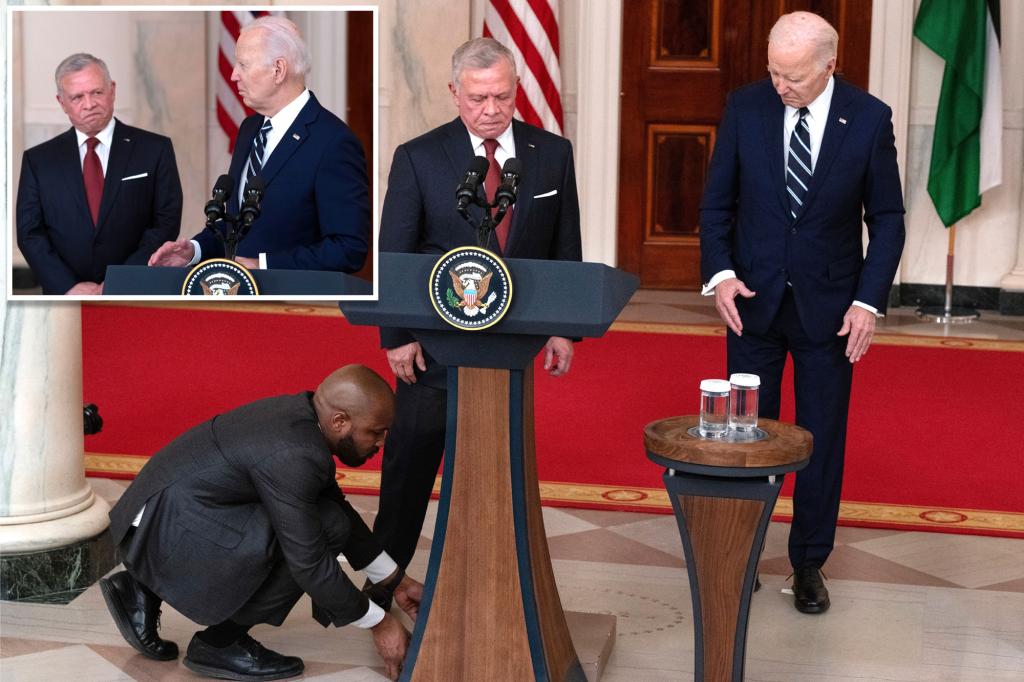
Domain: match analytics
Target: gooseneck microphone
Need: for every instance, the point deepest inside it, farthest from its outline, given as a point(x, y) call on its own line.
point(221, 191)
point(507, 191)
point(466, 192)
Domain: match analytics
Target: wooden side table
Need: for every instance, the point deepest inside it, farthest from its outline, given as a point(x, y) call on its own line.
point(723, 493)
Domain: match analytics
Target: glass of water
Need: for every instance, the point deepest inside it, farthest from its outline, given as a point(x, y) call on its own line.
point(714, 408)
point(743, 401)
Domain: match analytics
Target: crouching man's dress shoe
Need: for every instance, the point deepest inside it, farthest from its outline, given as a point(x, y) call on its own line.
point(809, 592)
point(136, 611)
point(246, 659)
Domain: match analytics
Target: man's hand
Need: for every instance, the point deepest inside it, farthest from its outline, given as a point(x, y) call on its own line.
point(408, 596)
point(859, 323)
point(557, 355)
point(85, 289)
point(725, 293)
point(173, 254)
point(402, 360)
point(391, 639)
point(251, 263)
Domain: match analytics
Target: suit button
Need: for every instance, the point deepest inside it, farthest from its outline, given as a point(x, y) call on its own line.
point(792, 230)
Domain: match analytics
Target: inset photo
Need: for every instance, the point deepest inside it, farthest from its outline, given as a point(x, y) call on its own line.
point(163, 152)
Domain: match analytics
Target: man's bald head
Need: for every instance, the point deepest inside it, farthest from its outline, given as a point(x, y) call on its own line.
point(354, 407)
point(801, 57)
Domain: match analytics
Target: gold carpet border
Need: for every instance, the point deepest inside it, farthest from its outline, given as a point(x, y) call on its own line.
point(656, 500)
point(312, 309)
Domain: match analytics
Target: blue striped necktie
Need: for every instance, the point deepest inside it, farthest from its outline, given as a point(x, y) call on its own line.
point(259, 146)
point(798, 164)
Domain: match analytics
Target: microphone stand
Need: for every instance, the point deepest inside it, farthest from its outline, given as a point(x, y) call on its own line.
point(487, 224)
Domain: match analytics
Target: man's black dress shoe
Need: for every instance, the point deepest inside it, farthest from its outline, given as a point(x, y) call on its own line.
point(246, 659)
point(136, 611)
point(809, 593)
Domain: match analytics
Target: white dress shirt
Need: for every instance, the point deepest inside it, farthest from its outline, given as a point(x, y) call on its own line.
point(105, 136)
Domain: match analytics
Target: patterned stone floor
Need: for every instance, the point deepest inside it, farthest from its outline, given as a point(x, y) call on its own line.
point(905, 605)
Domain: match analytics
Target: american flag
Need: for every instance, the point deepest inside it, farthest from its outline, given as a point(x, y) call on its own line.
point(230, 109)
point(530, 29)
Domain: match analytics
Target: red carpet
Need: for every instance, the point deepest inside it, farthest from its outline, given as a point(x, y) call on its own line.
point(929, 426)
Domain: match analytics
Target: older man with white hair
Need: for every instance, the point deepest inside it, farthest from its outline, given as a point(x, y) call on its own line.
point(799, 159)
point(316, 207)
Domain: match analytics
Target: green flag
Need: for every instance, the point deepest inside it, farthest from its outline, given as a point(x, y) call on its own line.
point(956, 31)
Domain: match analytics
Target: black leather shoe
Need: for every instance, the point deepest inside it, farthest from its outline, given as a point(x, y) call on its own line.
point(809, 593)
point(136, 611)
point(246, 659)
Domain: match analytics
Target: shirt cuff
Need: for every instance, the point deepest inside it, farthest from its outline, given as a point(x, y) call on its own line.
point(374, 615)
point(869, 308)
point(380, 568)
point(198, 255)
point(709, 288)
point(263, 261)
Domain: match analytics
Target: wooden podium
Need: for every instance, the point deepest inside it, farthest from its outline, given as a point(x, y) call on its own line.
point(723, 493)
point(490, 608)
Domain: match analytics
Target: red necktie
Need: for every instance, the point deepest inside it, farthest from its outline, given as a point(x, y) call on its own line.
point(491, 183)
point(92, 173)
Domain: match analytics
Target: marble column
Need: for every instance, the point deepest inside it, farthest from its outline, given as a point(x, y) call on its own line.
point(1011, 288)
point(52, 526)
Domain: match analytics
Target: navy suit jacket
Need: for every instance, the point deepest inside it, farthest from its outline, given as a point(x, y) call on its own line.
point(139, 211)
point(745, 221)
point(419, 213)
point(229, 499)
point(315, 213)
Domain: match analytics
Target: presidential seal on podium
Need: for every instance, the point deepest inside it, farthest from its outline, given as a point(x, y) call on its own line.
point(470, 288)
point(219, 277)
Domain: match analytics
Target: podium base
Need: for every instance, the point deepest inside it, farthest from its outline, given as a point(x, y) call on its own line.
point(593, 637)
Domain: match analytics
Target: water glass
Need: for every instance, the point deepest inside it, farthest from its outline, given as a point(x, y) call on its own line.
point(714, 408)
point(743, 401)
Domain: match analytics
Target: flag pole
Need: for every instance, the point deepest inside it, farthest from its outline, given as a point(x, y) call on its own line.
point(947, 314)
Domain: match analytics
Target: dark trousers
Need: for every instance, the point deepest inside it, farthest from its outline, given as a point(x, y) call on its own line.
point(822, 377)
point(412, 455)
point(274, 599)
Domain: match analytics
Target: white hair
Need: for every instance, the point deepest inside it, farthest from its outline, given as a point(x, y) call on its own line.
point(281, 40)
point(800, 29)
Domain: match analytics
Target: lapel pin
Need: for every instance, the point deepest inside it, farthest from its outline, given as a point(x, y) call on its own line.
point(530, 145)
point(296, 135)
point(842, 120)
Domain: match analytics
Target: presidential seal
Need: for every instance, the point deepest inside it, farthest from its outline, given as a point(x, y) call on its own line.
point(470, 288)
point(219, 277)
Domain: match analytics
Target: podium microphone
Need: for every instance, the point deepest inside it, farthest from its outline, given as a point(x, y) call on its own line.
point(508, 190)
point(252, 197)
point(221, 191)
point(466, 192)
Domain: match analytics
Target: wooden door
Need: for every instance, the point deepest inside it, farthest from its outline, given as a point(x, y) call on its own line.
point(680, 58)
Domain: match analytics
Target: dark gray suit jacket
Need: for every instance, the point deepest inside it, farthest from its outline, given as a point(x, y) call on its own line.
point(229, 499)
point(139, 211)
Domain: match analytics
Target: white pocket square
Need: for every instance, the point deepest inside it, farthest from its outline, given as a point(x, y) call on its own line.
point(546, 194)
point(135, 177)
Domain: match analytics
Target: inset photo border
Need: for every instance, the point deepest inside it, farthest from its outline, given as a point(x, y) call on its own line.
point(177, 111)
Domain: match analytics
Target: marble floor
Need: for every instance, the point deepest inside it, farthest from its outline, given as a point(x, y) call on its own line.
point(905, 605)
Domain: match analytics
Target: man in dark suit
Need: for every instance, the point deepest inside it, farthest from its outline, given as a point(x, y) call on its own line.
point(798, 160)
point(419, 216)
point(102, 193)
point(315, 212)
point(238, 517)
